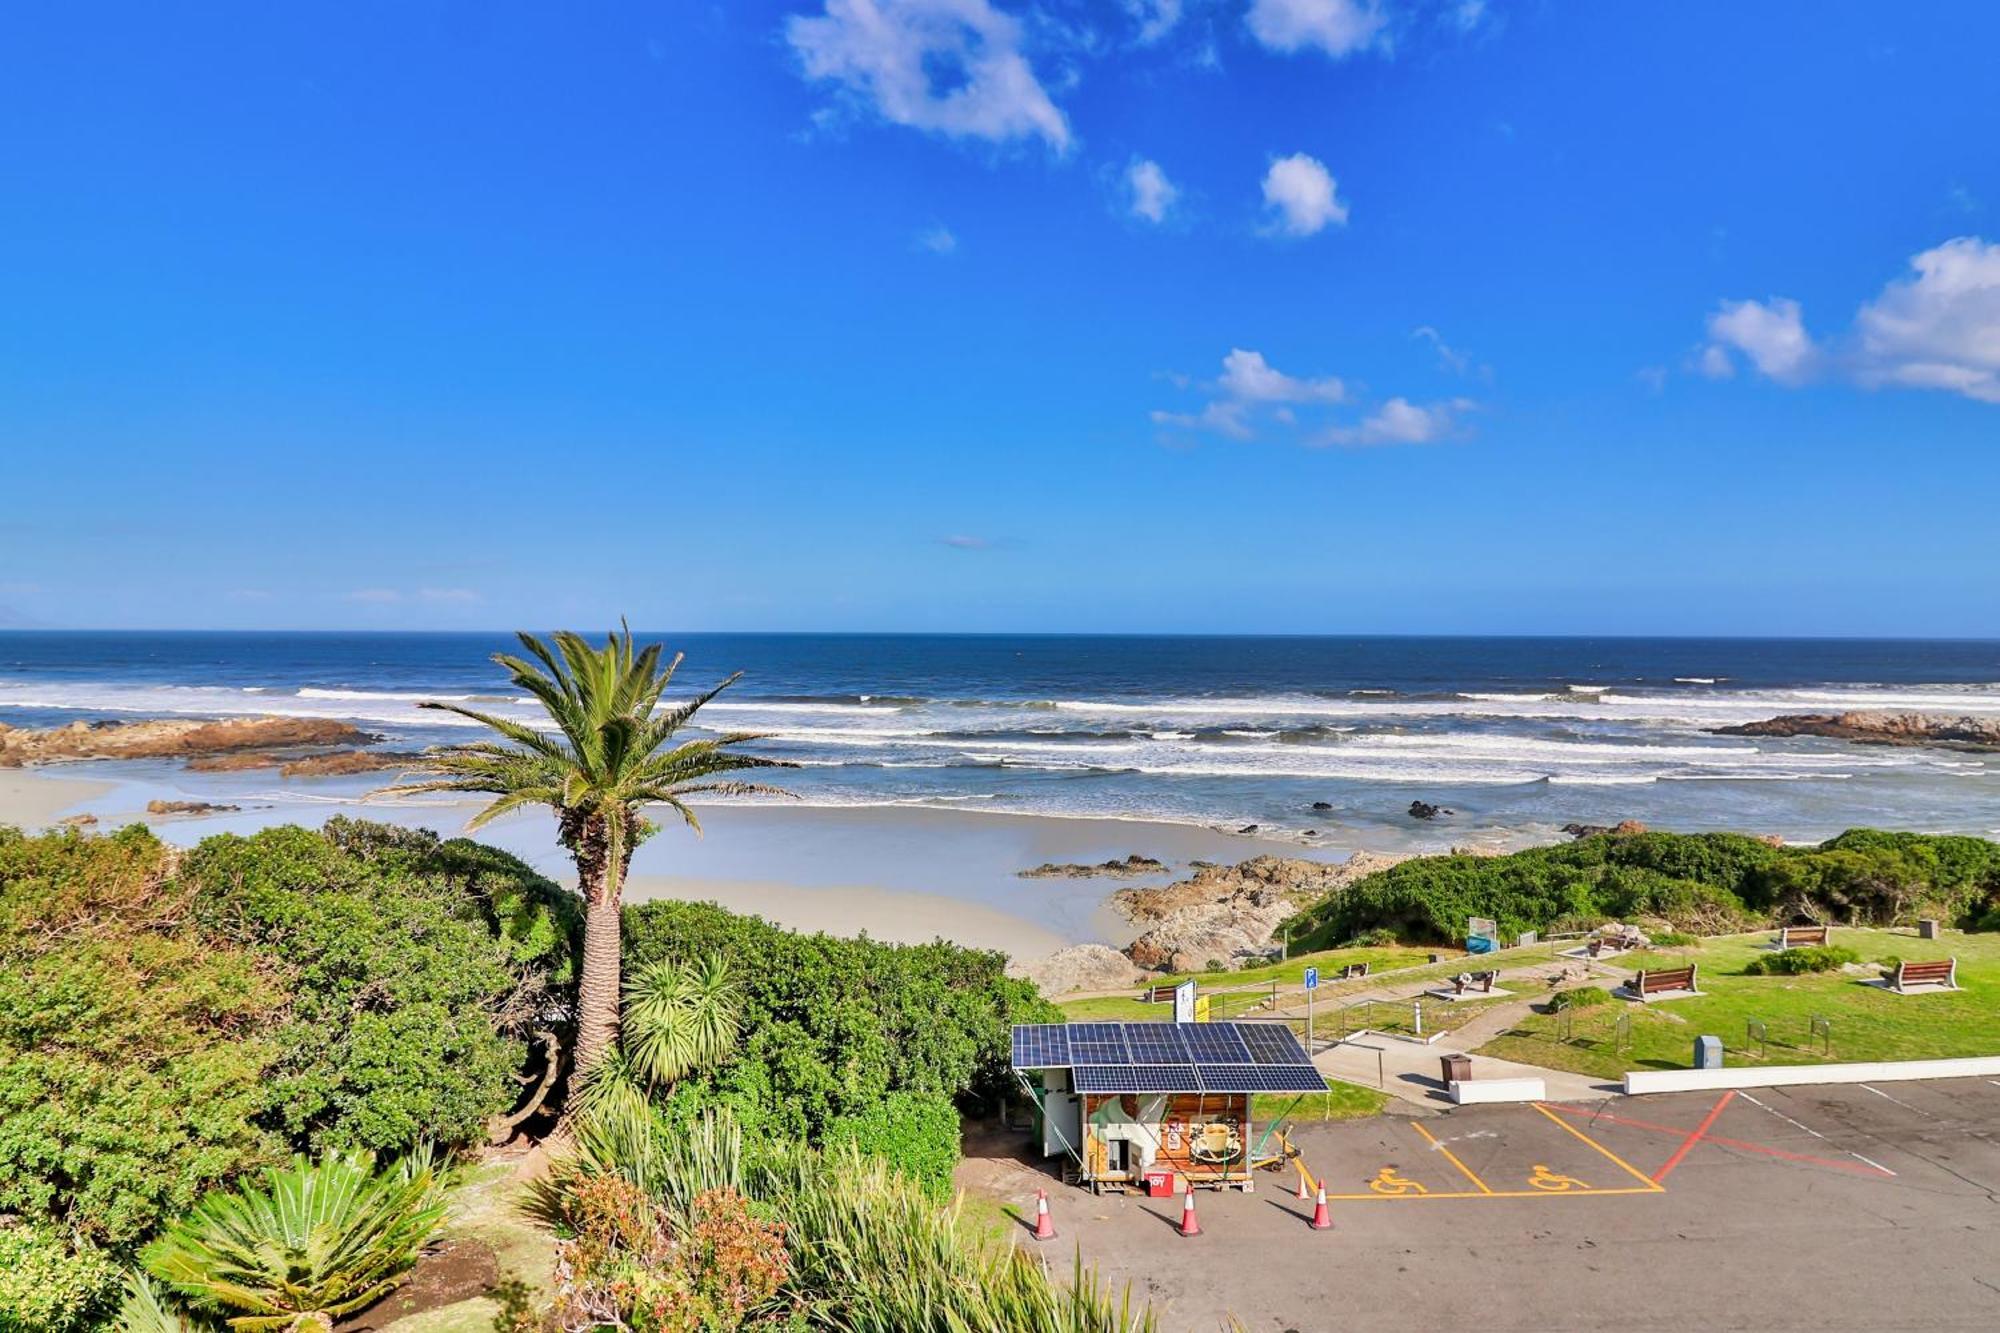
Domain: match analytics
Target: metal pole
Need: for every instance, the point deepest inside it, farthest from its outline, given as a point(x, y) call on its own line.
point(1309, 1022)
point(1418, 1007)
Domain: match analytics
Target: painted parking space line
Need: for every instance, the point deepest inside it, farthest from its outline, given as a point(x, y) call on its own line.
point(1650, 1185)
point(1872, 1168)
point(1869, 1087)
point(1452, 1157)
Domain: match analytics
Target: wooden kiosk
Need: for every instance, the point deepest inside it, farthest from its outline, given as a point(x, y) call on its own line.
point(1158, 1106)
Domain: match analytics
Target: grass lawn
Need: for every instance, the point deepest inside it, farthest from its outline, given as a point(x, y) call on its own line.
point(1869, 1023)
point(1341, 1101)
point(1290, 976)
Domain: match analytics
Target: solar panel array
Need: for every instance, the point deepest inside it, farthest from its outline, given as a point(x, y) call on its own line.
point(1170, 1057)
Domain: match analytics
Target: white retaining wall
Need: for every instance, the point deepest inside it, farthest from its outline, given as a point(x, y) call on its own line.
point(1469, 1091)
point(1889, 1071)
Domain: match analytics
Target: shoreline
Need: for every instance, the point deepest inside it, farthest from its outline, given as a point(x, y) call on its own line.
point(905, 873)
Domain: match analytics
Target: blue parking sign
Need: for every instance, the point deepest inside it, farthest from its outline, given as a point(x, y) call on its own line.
point(1312, 978)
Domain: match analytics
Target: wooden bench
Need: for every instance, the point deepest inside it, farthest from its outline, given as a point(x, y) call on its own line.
point(1943, 974)
point(1480, 981)
point(1663, 980)
point(1159, 994)
point(1353, 970)
point(1796, 937)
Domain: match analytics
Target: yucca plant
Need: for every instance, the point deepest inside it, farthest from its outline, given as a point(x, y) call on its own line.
point(313, 1241)
point(678, 1019)
point(608, 757)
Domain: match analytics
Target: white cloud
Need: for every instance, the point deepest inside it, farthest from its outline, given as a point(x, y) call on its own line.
point(1468, 14)
point(1156, 18)
point(1400, 421)
point(1302, 196)
point(1338, 27)
point(1248, 377)
point(1772, 334)
point(938, 240)
point(1938, 328)
point(1152, 193)
point(951, 67)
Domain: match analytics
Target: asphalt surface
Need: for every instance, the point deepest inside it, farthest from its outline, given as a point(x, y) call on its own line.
point(1824, 1207)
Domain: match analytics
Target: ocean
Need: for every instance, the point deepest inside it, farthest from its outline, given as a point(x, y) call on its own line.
point(1515, 736)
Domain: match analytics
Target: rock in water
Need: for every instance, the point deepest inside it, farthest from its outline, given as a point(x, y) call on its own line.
point(1133, 864)
point(188, 808)
point(1425, 810)
point(172, 738)
point(1879, 728)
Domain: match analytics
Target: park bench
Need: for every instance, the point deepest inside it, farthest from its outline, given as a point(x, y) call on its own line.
point(1662, 981)
point(1942, 974)
point(1480, 981)
point(1795, 937)
point(1159, 994)
point(1353, 970)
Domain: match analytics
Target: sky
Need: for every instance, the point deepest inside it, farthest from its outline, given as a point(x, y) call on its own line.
point(1287, 316)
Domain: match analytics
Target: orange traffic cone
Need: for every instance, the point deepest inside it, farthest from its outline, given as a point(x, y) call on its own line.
point(1303, 1195)
point(1322, 1219)
point(1189, 1226)
point(1045, 1227)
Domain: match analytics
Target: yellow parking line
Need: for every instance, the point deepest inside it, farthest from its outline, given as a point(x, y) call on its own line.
point(1652, 1187)
point(1498, 1194)
point(1451, 1157)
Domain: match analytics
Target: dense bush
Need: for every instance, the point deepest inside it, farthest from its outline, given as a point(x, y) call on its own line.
point(415, 969)
point(169, 1021)
point(831, 1026)
point(915, 1132)
point(1798, 962)
point(48, 1286)
point(1702, 883)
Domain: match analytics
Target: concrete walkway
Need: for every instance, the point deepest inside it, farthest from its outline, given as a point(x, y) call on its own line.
point(1411, 1072)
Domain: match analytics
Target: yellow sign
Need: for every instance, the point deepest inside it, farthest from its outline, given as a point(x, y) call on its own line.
point(1545, 1179)
point(1387, 1181)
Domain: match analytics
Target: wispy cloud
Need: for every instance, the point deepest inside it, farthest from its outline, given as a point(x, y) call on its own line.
point(1252, 397)
point(1150, 193)
point(1301, 196)
point(1453, 359)
point(938, 240)
point(1400, 421)
point(1936, 328)
point(956, 68)
point(1339, 28)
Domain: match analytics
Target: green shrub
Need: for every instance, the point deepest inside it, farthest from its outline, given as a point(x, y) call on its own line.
point(1379, 938)
point(1703, 883)
point(1580, 997)
point(46, 1286)
point(1676, 939)
point(831, 1026)
point(314, 1240)
point(410, 1001)
point(917, 1133)
point(1798, 962)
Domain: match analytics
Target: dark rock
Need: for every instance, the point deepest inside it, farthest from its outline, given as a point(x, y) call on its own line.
point(1878, 728)
point(1585, 830)
point(1249, 828)
point(1425, 810)
point(1322, 805)
point(188, 808)
point(1134, 864)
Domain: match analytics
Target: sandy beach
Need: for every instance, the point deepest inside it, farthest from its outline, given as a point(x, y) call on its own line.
point(902, 873)
point(31, 799)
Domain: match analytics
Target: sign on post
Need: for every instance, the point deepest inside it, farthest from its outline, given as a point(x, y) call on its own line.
point(1184, 1002)
point(1312, 984)
point(1312, 978)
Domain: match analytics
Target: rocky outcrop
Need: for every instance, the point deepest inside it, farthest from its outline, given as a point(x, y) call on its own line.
point(338, 764)
point(173, 738)
point(1134, 864)
point(1933, 729)
point(1226, 914)
point(1079, 967)
point(1425, 810)
point(1624, 828)
point(188, 808)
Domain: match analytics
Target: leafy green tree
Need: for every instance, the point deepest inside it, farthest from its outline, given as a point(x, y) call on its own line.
point(314, 1241)
point(609, 756)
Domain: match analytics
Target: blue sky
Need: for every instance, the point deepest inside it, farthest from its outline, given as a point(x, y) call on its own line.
point(1266, 315)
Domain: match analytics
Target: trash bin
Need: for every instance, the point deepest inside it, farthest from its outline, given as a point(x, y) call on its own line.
point(1457, 1068)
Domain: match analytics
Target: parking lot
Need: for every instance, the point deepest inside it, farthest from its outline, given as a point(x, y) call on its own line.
point(1837, 1205)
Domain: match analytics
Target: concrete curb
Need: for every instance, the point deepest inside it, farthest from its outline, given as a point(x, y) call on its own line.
point(1641, 1081)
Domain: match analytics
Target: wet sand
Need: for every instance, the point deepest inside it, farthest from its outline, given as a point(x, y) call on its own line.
point(33, 799)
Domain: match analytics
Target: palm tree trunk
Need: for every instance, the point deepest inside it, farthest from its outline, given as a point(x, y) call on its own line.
point(600, 861)
point(597, 993)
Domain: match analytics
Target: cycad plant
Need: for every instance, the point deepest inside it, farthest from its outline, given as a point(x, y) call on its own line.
point(678, 1019)
point(609, 756)
point(314, 1241)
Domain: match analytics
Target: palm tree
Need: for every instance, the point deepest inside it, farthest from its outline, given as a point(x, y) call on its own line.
point(608, 758)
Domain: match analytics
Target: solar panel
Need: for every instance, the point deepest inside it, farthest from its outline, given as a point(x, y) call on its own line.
point(1272, 1044)
point(1215, 1043)
point(1155, 1044)
point(1260, 1078)
point(1134, 1078)
point(1041, 1046)
point(1098, 1052)
point(1095, 1031)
